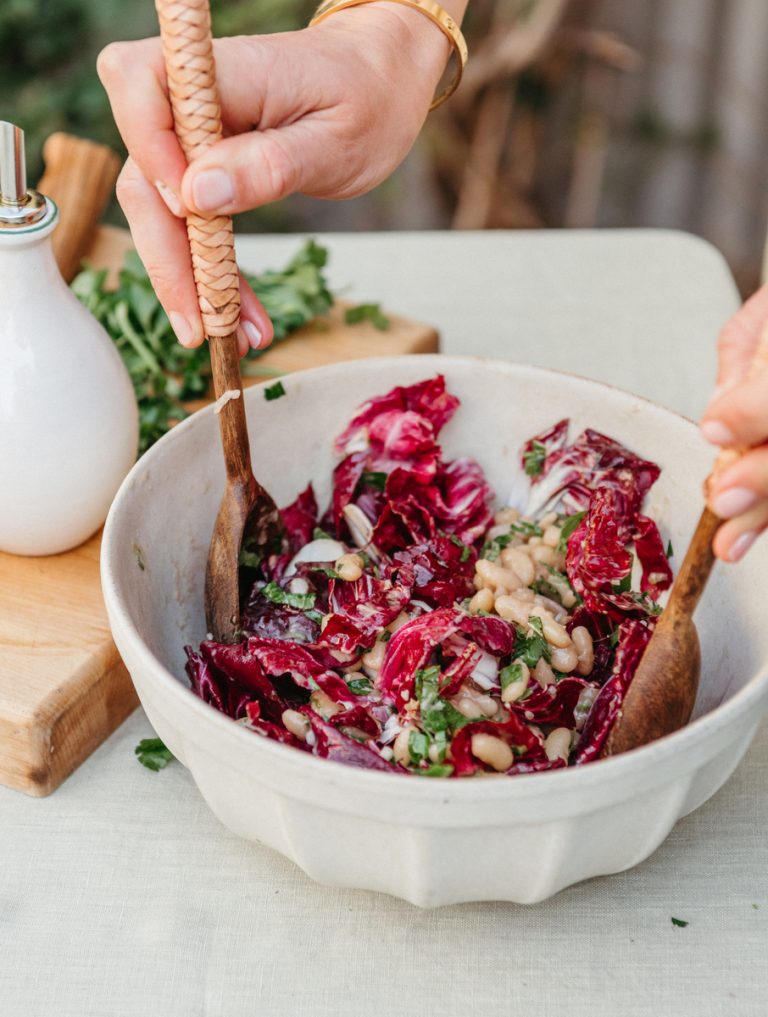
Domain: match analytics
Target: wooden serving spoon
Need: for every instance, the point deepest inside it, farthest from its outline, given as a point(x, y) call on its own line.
point(663, 690)
point(246, 508)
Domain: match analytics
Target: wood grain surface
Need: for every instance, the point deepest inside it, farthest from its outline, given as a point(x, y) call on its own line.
point(63, 687)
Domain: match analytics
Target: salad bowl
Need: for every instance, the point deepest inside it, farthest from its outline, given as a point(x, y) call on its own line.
point(430, 841)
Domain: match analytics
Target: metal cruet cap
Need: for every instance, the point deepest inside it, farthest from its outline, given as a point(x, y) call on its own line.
point(20, 207)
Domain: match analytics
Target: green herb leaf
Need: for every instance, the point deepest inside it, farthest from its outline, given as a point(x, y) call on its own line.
point(437, 770)
point(465, 549)
point(437, 715)
point(569, 527)
point(250, 559)
point(275, 593)
point(367, 312)
point(152, 753)
point(377, 480)
point(625, 585)
point(531, 648)
point(679, 923)
point(493, 548)
point(360, 686)
point(318, 534)
point(670, 552)
point(533, 460)
point(272, 392)
point(510, 674)
point(418, 746)
point(614, 638)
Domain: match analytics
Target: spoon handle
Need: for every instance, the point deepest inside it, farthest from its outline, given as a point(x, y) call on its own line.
point(185, 30)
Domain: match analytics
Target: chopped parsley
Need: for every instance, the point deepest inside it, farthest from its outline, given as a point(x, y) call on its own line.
point(511, 674)
point(437, 714)
point(437, 770)
point(531, 648)
point(418, 746)
point(493, 548)
point(465, 549)
point(669, 552)
point(679, 923)
point(374, 479)
point(367, 312)
point(275, 593)
point(320, 534)
point(624, 586)
point(613, 639)
point(274, 391)
point(251, 559)
point(533, 459)
point(569, 527)
point(360, 686)
point(152, 753)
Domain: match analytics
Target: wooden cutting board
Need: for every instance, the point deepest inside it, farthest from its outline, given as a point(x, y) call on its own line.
point(63, 687)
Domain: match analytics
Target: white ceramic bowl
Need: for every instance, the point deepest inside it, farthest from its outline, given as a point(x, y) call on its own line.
point(430, 841)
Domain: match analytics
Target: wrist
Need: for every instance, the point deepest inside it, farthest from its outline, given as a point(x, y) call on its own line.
point(412, 35)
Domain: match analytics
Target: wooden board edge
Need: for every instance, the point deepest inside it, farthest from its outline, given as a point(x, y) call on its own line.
point(56, 741)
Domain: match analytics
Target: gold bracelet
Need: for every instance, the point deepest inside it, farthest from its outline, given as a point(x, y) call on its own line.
point(435, 13)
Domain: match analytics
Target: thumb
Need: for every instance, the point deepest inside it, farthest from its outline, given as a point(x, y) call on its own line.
point(253, 169)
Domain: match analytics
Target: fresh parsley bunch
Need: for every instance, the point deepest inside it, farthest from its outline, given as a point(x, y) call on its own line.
point(164, 373)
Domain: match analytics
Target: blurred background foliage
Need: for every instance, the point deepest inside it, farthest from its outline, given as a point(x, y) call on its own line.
point(573, 113)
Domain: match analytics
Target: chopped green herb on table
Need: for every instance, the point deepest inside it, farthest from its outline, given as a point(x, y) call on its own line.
point(679, 923)
point(153, 754)
point(367, 312)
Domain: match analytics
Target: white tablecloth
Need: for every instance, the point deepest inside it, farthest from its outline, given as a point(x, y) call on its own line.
point(121, 895)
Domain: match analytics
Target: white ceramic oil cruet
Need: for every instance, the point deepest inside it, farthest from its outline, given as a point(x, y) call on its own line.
point(68, 414)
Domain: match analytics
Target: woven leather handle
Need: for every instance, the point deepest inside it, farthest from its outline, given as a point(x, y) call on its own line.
point(185, 29)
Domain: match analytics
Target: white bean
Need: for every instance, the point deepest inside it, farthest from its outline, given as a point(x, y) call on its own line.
point(562, 587)
point(564, 659)
point(543, 673)
point(515, 689)
point(545, 555)
point(547, 520)
point(582, 640)
point(551, 536)
point(296, 723)
point(400, 748)
point(520, 563)
point(554, 632)
point(496, 577)
point(506, 516)
point(373, 660)
point(322, 703)
point(557, 744)
point(512, 609)
point(493, 751)
point(349, 567)
point(482, 601)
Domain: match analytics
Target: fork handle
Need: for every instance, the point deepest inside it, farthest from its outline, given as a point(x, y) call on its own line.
point(185, 30)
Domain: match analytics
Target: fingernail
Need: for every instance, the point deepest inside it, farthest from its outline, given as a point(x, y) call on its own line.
point(253, 334)
point(185, 330)
point(169, 198)
point(716, 432)
point(740, 546)
point(213, 189)
point(733, 502)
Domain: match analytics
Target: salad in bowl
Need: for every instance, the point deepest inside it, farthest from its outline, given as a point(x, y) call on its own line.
point(421, 626)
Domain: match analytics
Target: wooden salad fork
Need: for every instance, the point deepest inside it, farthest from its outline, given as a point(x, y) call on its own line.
point(662, 693)
point(247, 510)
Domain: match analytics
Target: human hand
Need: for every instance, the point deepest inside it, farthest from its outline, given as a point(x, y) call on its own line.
point(737, 417)
point(329, 111)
